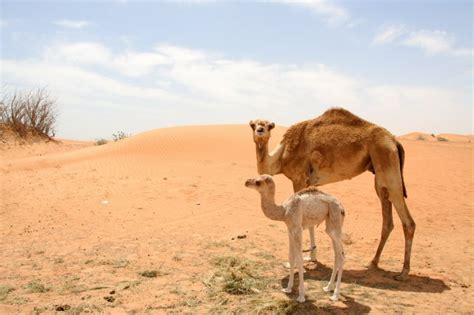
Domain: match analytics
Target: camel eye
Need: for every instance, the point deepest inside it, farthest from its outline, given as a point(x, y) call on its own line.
point(258, 183)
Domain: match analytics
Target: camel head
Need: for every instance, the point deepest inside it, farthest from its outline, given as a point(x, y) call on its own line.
point(263, 183)
point(261, 130)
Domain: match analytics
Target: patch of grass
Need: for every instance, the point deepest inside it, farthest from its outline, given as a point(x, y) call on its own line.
point(36, 286)
point(152, 273)
point(442, 139)
point(19, 300)
point(236, 275)
point(4, 290)
point(116, 263)
point(71, 286)
point(125, 285)
point(273, 306)
point(216, 244)
point(120, 136)
point(58, 260)
point(101, 141)
point(177, 257)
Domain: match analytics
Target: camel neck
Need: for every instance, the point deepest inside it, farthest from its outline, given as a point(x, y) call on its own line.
point(270, 208)
point(262, 158)
point(268, 163)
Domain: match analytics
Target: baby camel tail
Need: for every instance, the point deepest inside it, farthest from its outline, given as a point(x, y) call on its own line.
point(305, 209)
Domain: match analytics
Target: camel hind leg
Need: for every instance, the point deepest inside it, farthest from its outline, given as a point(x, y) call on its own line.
point(388, 177)
point(387, 225)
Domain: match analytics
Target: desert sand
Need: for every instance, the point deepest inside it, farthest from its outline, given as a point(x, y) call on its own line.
point(157, 222)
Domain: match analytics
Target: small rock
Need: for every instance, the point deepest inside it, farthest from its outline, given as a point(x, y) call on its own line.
point(241, 236)
point(109, 299)
point(62, 308)
point(165, 178)
point(112, 292)
point(104, 202)
point(198, 203)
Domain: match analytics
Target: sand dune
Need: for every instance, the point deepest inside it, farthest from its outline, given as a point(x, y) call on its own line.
point(443, 137)
point(85, 221)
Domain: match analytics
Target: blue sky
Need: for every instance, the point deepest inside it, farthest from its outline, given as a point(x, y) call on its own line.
point(135, 66)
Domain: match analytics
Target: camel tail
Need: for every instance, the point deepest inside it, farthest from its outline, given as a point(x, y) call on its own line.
point(401, 156)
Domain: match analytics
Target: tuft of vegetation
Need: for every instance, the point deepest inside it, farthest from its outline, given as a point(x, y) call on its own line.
point(420, 137)
point(442, 139)
point(273, 306)
point(101, 141)
point(237, 276)
point(120, 136)
point(36, 286)
point(4, 290)
point(28, 112)
point(151, 273)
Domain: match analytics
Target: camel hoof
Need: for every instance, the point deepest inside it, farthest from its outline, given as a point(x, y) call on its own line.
point(373, 265)
point(328, 288)
point(402, 276)
point(286, 290)
point(301, 299)
point(334, 298)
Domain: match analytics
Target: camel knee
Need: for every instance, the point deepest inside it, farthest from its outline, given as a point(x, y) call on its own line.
point(409, 228)
point(388, 227)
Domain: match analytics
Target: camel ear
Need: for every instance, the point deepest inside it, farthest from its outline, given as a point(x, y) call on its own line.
point(271, 126)
point(252, 124)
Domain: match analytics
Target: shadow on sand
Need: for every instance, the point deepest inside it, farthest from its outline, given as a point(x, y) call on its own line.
point(378, 279)
point(373, 278)
point(311, 307)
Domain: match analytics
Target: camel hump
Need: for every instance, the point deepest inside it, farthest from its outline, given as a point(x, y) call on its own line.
point(321, 129)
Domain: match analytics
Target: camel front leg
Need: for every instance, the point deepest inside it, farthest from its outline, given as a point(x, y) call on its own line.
point(291, 260)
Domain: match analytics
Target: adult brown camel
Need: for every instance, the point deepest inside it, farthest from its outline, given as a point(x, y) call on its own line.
point(336, 146)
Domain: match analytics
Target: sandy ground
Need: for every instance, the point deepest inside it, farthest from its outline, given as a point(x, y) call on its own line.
point(79, 224)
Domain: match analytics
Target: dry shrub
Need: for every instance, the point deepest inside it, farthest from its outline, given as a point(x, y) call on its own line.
point(28, 112)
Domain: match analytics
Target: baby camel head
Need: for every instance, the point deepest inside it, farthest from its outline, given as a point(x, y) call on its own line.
point(263, 183)
point(261, 129)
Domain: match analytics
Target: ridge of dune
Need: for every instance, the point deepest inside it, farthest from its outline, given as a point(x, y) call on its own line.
point(206, 142)
point(450, 137)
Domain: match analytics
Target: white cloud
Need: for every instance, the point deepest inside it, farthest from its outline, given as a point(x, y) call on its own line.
point(172, 85)
point(431, 42)
point(435, 42)
point(72, 23)
point(389, 33)
point(129, 63)
point(332, 13)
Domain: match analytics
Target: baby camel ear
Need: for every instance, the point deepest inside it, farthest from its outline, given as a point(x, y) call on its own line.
point(271, 126)
point(252, 124)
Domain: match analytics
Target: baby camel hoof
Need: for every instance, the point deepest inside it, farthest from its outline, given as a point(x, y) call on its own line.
point(301, 299)
point(328, 288)
point(334, 298)
point(286, 290)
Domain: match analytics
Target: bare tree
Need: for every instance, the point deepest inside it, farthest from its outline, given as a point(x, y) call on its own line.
point(32, 112)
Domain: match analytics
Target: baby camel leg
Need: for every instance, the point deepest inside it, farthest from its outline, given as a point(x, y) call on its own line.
point(335, 233)
point(291, 261)
point(297, 242)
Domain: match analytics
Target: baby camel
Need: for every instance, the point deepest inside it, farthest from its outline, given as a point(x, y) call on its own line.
point(306, 208)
